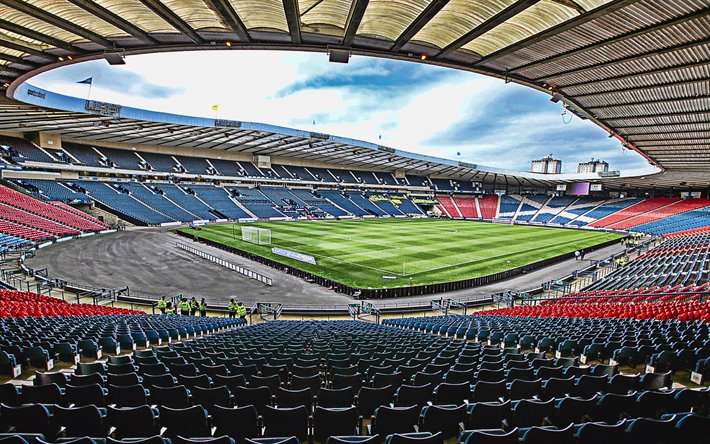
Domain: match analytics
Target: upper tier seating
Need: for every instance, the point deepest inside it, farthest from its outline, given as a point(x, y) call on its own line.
point(386, 178)
point(160, 162)
point(442, 184)
point(489, 206)
point(194, 165)
point(25, 150)
point(615, 220)
point(86, 154)
point(52, 190)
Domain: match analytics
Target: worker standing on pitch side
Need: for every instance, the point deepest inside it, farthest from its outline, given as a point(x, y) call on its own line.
point(162, 304)
point(241, 311)
point(184, 307)
point(203, 308)
point(232, 307)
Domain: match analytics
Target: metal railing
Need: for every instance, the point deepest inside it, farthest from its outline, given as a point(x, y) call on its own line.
point(219, 261)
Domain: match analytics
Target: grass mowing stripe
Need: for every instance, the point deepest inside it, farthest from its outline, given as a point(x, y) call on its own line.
point(358, 253)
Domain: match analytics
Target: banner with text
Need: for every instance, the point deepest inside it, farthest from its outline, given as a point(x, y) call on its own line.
point(293, 255)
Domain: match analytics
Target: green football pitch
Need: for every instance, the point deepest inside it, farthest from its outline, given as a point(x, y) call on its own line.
point(359, 253)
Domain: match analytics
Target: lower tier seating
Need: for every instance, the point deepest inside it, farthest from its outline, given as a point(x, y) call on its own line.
point(315, 380)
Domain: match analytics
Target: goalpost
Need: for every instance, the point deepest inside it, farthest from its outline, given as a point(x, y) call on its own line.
point(255, 235)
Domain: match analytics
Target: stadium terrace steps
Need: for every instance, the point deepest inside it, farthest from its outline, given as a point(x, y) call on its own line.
point(636, 209)
point(31, 206)
point(466, 206)
point(530, 206)
point(25, 150)
point(489, 206)
point(553, 207)
point(509, 205)
point(605, 209)
point(122, 204)
point(450, 207)
point(366, 204)
point(79, 213)
point(158, 202)
point(256, 202)
point(23, 231)
point(8, 242)
point(673, 209)
point(52, 190)
point(676, 261)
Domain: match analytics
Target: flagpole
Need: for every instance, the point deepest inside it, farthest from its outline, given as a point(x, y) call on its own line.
point(88, 97)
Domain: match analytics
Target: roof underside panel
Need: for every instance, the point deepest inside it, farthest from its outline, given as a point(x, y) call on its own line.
point(636, 16)
point(324, 16)
point(389, 18)
point(457, 18)
point(539, 17)
point(9, 36)
point(74, 14)
point(139, 14)
point(195, 14)
point(27, 21)
point(261, 14)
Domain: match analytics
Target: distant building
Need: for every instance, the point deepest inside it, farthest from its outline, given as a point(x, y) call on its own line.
point(593, 166)
point(546, 165)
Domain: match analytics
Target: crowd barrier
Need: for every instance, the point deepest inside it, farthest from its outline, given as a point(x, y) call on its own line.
point(219, 261)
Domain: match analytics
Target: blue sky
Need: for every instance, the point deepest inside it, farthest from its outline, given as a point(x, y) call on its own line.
point(410, 106)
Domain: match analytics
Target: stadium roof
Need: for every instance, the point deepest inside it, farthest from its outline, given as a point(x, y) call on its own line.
point(638, 68)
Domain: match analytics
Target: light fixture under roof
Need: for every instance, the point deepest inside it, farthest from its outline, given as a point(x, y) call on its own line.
point(115, 57)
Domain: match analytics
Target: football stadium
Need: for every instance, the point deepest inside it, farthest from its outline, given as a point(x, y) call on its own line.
point(174, 277)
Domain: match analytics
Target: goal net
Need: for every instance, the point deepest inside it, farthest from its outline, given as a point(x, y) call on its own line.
point(259, 236)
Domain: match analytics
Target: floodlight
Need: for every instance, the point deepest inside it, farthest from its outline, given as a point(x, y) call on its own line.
point(115, 57)
point(339, 55)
